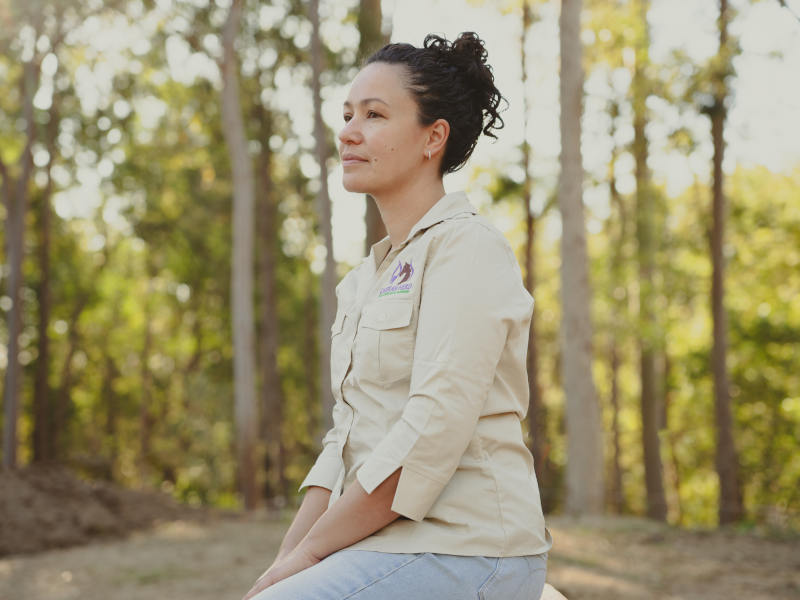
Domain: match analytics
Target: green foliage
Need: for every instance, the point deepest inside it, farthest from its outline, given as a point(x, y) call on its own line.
point(141, 335)
point(761, 282)
point(763, 285)
point(140, 327)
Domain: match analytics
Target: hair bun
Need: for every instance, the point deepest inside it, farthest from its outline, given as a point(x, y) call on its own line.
point(467, 50)
point(467, 54)
point(469, 45)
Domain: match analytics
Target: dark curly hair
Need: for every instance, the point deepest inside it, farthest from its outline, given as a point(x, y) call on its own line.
point(450, 81)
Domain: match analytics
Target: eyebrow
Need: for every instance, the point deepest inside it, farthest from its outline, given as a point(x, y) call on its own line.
point(367, 101)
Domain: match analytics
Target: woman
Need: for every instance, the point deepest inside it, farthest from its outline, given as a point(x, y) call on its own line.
point(424, 487)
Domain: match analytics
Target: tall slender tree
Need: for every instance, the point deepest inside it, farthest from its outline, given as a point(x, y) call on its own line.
point(328, 284)
point(147, 418)
point(727, 460)
point(537, 411)
point(617, 230)
point(242, 261)
point(585, 478)
point(276, 487)
point(646, 247)
point(370, 19)
point(15, 190)
point(42, 396)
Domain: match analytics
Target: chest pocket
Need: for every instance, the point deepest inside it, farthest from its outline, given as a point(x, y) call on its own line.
point(386, 340)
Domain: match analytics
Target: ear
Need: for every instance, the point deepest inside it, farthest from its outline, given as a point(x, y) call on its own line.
point(438, 132)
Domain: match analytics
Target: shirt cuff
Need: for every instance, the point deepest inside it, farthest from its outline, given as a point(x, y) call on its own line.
point(415, 492)
point(324, 473)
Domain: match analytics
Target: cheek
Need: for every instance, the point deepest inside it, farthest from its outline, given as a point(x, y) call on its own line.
point(398, 151)
point(387, 155)
point(399, 143)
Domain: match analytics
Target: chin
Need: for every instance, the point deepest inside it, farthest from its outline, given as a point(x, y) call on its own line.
point(352, 184)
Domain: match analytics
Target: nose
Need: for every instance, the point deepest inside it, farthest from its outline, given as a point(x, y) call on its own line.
point(350, 133)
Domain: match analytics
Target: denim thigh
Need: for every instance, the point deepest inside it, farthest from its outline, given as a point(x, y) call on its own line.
point(369, 575)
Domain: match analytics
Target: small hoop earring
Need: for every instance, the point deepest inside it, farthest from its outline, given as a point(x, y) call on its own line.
point(429, 154)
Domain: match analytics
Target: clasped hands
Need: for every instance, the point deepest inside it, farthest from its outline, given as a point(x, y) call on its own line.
point(283, 566)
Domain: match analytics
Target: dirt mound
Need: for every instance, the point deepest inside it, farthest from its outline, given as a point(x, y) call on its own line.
point(45, 507)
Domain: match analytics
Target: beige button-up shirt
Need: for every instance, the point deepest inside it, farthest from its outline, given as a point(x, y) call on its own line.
point(428, 373)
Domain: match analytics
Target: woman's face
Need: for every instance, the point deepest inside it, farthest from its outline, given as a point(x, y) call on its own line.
point(382, 143)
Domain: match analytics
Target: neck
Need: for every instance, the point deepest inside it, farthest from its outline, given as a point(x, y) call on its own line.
point(400, 209)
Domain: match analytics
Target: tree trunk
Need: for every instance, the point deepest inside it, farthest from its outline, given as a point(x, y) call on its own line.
point(327, 292)
point(370, 21)
point(276, 487)
point(15, 195)
point(727, 460)
point(372, 38)
point(311, 348)
point(146, 416)
point(245, 414)
point(645, 237)
point(41, 385)
point(619, 301)
point(107, 464)
point(537, 411)
point(42, 394)
point(109, 397)
point(672, 438)
point(617, 497)
point(376, 230)
point(584, 428)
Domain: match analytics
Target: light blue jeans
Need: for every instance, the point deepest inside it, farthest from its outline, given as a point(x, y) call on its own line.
point(368, 575)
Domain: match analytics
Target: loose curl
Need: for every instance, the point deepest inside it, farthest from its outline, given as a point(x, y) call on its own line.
point(450, 81)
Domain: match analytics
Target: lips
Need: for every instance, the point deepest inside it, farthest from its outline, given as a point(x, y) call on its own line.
point(352, 159)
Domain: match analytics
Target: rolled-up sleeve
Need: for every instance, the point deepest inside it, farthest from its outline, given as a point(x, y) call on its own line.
point(328, 466)
point(470, 298)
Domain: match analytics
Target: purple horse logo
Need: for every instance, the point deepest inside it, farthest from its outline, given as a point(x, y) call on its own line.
point(402, 272)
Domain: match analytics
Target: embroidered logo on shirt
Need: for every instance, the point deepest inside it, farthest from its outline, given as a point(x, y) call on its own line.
point(399, 283)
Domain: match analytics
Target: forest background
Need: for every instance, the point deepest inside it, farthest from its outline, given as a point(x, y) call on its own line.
point(168, 266)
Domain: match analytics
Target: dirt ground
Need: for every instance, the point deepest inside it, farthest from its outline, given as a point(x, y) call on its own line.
point(47, 506)
point(609, 558)
point(217, 556)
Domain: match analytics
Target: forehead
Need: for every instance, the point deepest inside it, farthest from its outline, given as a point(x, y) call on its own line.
point(379, 80)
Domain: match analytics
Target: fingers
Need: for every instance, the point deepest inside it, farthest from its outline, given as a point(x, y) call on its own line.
point(259, 586)
point(250, 594)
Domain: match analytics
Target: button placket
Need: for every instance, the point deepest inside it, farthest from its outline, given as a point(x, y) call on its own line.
point(354, 318)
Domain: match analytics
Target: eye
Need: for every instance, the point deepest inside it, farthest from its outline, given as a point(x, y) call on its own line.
point(372, 114)
point(347, 118)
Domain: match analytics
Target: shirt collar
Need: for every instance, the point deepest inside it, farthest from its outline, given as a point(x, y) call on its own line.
point(447, 207)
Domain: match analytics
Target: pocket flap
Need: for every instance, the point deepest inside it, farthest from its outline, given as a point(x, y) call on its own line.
point(387, 314)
